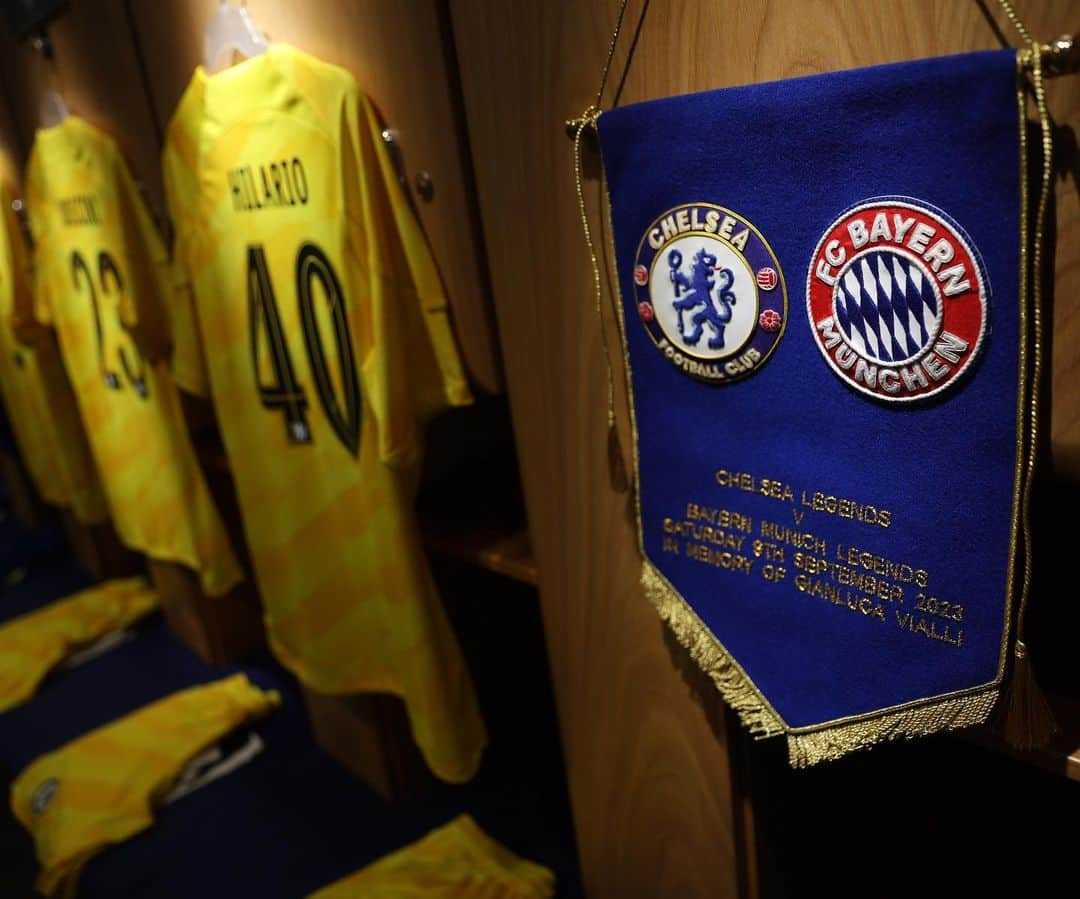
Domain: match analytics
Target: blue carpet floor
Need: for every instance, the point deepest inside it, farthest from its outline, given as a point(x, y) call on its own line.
point(288, 822)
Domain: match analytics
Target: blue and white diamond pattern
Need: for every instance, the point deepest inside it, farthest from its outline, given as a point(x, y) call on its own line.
point(887, 307)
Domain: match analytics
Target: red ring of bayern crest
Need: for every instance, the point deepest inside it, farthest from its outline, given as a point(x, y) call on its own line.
point(898, 299)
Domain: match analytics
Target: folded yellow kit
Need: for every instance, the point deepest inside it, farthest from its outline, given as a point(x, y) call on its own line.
point(103, 787)
point(34, 644)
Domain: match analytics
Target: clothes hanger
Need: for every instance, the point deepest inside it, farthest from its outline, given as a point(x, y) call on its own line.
point(230, 30)
point(54, 109)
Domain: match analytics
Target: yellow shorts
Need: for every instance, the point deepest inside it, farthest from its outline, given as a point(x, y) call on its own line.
point(102, 788)
point(32, 645)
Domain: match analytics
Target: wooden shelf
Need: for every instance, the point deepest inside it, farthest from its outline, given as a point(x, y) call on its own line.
point(505, 553)
point(478, 517)
point(1061, 756)
point(482, 526)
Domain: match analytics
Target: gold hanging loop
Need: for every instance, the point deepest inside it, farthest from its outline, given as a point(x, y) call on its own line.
point(616, 463)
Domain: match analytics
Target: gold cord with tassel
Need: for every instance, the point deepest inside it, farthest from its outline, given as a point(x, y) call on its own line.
point(1026, 718)
point(620, 480)
point(616, 464)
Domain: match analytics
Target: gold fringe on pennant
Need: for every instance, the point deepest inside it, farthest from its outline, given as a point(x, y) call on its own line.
point(735, 687)
point(804, 749)
point(839, 740)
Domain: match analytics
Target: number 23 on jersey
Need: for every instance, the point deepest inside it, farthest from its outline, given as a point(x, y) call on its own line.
point(108, 273)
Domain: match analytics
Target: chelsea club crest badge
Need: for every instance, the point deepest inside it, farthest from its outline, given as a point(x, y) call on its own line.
point(898, 299)
point(710, 292)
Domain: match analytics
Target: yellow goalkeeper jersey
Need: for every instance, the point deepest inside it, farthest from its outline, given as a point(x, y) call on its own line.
point(310, 310)
point(98, 257)
point(103, 787)
point(36, 393)
point(32, 645)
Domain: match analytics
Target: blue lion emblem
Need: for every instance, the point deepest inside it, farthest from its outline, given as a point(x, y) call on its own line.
point(708, 308)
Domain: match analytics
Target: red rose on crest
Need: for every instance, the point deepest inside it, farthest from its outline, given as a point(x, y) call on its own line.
point(770, 320)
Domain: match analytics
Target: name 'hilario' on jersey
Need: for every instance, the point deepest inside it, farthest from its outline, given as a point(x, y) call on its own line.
point(271, 184)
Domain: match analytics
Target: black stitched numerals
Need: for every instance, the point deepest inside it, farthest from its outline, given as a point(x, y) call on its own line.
point(136, 375)
point(109, 271)
point(285, 393)
point(312, 265)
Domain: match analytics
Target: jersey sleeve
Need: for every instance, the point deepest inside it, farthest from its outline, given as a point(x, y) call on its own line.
point(188, 361)
point(143, 299)
point(411, 364)
point(32, 312)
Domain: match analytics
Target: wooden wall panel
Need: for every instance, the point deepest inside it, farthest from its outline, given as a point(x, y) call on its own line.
point(95, 67)
point(649, 774)
point(397, 53)
point(10, 145)
point(1064, 100)
point(25, 502)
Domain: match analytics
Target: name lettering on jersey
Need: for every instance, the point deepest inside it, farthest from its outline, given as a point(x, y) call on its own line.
point(81, 210)
point(268, 185)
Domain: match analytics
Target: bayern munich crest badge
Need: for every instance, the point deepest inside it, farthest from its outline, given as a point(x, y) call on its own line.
point(898, 299)
point(710, 292)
